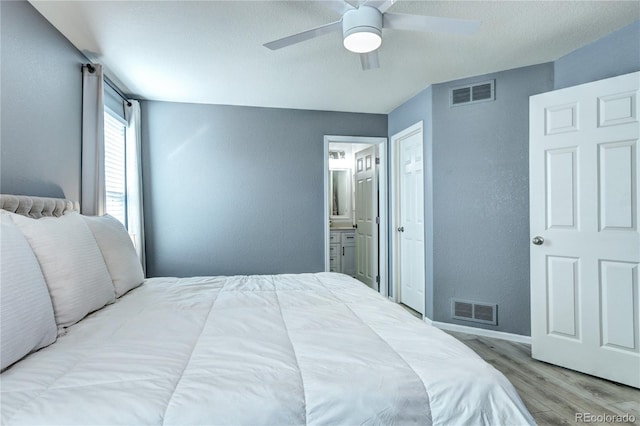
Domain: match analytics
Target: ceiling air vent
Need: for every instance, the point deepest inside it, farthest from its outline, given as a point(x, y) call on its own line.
point(474, 93)
point(466, 310)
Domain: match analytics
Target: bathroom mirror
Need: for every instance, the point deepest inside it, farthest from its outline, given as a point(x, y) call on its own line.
point(340, 203)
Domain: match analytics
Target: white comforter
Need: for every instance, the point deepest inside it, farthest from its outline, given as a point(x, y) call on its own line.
point(316, 349)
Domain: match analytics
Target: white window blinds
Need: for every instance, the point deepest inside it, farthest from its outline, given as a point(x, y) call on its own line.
point(114, 166)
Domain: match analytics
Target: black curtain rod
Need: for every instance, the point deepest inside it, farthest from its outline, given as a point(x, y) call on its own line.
point(115, 88)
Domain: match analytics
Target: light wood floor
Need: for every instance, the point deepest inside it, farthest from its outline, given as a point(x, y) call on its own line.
point(553, 394)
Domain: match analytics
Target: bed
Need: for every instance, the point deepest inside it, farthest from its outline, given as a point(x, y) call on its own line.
point(304, 349)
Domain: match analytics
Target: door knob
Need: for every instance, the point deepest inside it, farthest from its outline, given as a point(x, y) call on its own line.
point(538, 240)
point(401, 229)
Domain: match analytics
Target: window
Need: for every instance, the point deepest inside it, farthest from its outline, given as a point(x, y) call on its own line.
point(114, 166)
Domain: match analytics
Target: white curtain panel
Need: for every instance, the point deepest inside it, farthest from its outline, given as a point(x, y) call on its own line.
point(93, 195)
point(135, 212)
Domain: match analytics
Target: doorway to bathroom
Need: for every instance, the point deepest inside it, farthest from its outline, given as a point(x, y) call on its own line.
point(356, 208)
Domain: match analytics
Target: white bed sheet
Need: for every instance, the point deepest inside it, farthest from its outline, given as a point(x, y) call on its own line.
point(315, 349)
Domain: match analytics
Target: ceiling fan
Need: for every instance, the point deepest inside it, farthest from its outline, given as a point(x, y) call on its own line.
point(362, 23)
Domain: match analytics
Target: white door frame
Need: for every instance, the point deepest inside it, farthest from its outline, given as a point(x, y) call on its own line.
point(395, 203)
point(382, 185)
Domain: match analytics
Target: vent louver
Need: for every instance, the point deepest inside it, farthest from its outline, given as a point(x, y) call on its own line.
point(463, 310)
point(461, 96)
point(482, 92)
point(485, 313)
point(479, 92)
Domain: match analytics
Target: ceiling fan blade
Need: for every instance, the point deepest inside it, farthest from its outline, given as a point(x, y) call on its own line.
point(370, 61)
point(399, 21)
point(381, 5)
point(304, 36)
point(340, 6)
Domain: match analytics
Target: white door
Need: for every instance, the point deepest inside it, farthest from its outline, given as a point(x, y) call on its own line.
point(366, 211)
point(584, 190)
point(409, 225)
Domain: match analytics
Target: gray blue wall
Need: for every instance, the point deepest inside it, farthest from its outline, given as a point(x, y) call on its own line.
point(419, 108)
point(615, 54)
point(476, 194)
point(481, 197)
point(238, 190)
point(41, 104)
point(479, 165)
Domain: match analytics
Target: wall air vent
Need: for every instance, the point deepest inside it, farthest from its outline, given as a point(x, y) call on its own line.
point(461, 95)
point(474, 93)
point(485, 313)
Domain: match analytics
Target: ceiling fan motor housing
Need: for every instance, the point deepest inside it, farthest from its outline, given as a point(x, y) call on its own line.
point(364, 23)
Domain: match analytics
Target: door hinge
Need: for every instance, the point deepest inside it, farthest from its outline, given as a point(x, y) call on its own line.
point(377, 160)
point(378, 220)
point(377, 279)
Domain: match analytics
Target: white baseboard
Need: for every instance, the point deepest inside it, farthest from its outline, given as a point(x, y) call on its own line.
point(480, 331)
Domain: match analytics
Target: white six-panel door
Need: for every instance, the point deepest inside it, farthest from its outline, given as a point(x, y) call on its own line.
point(585, 251)
point(366, 212)
point(410, 218)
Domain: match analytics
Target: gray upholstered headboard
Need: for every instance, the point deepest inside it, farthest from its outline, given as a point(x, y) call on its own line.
point(36, 207)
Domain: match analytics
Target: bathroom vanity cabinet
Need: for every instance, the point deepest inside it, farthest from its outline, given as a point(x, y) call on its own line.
point(342, 251)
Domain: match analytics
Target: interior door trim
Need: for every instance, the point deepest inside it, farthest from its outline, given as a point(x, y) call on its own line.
point(384, 203)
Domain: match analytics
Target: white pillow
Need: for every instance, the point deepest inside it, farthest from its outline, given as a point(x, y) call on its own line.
point(26, 321)
point(72, 265)
point(118, 252)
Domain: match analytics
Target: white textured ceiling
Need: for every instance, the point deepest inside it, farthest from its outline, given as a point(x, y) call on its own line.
point(211, 51)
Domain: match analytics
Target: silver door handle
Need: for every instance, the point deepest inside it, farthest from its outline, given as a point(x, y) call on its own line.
point(401, 229)
point(538, 240)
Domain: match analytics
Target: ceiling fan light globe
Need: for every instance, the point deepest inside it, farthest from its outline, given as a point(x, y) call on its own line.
point(362, 41)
